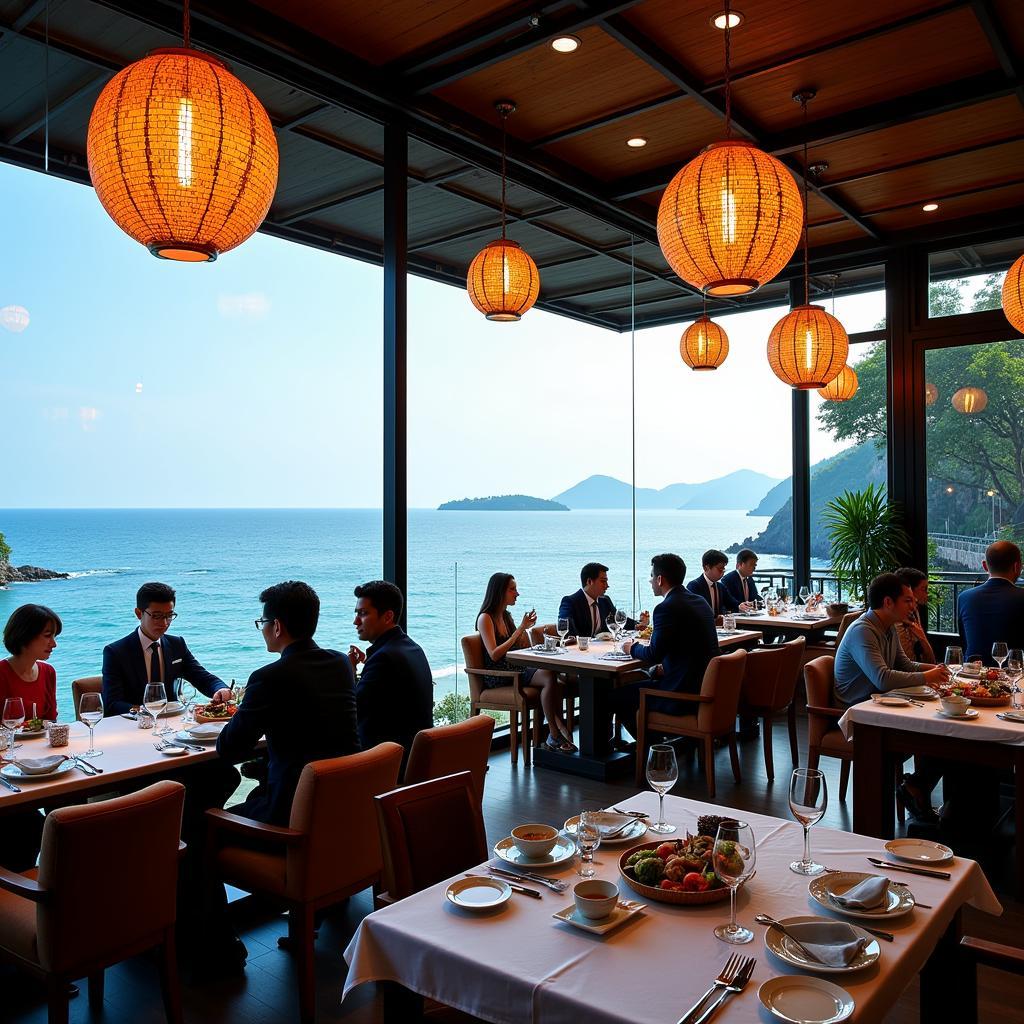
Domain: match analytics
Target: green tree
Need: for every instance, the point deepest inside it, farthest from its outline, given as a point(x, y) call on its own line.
point(451, 708)
point(5, 549)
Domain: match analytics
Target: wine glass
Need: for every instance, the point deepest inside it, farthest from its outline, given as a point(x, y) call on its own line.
point(588, 839)
point(188, 694)
point(999, 654)
point(954, 662)
point(154, 700)
point(734, 857)
point(805, 593)
point(808, 798)
point(90, 711)
point(13, 719)
point(662, 773)
point(1015, 668)
point(783, 597)
point(562, 629)
point(620, 621)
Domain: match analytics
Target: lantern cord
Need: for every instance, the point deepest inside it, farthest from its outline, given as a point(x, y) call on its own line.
point(807, 178)
point(504, 132)
point(187, 16)
point(632, 391)
point(728, 74)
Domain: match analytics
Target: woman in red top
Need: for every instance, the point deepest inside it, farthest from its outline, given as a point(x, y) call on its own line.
point(31, 637)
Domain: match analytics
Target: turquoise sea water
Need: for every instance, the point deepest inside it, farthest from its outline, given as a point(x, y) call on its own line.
point(219, 560)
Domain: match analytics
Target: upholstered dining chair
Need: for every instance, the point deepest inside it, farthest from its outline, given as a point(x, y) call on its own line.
point(702, 716)
point(769, 688)
point(520, 701)
point(819, 648)
point(570, 686)
point(55, 922)
point(446, 749)
point(88, 684)
point(330, 849)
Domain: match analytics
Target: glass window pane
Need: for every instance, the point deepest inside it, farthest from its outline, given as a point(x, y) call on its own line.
point(969, 279)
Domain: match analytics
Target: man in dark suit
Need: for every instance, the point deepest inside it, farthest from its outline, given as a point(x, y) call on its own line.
point(150, 655)
point(740, 583)
point(993, 612)
point(304, 703)
point(709, 584)
point(395, 691)
point(589, 610)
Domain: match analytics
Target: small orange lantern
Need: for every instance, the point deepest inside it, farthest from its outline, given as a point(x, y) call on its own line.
point(931, 394)
point(808, 348)
point(843, 388)
point(970, 401)
point(1013, 295)
point(503, 281)
point(704, 345)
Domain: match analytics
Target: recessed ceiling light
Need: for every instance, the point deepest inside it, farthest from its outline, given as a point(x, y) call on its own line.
point(637, 142)
point(735, 17)
point(930, 207)
point(565, 44)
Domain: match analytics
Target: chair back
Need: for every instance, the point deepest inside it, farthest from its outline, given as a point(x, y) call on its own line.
point(333, 807)
point(789, 672)
point(429, 832)
point(723, 679)
point(844, 624)
point(537, 633)
point(447, 749)
point(88, 684)
point(113, 869)
point(761, 675)
point(473, 655)
point(820, 680)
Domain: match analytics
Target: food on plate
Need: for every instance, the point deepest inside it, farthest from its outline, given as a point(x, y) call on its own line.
point(640, 855)
point(984, 687)
point(221, 712)
point(683, 865)
point(32, 725)
point(646, 633)
point(649, 870)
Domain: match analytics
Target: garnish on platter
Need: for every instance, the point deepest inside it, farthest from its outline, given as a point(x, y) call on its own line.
point(990, 691)
point(215, 712)
point(678, 871)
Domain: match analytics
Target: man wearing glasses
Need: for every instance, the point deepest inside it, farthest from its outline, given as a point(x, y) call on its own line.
point(150, 655)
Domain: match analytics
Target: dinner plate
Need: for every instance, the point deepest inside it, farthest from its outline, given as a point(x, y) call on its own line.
point(623, 911)
point(919, 851)
point(892, 702)
point(172, 751)
point(805, 1000)
point(610, 820)
point(564, 849)
point(29, 734)
point(786, 949)
point(616, 656)
point(541, 649)
point(966, 716)
point(478, 893)
point(15, 774)
point(898, 901)
point(183, 736)
point(917, 692)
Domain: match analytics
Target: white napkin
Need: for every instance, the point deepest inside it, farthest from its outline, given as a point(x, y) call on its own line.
point(834, 943)
point(40, 765)
point(1013, 716)
point(205, 730)
point(865, 895)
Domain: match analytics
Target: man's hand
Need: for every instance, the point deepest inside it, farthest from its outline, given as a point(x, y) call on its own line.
point(936, 675)
point(355, 656)
point(745, 606)
point(627, 645)
point(644, 621)
point(222, 696)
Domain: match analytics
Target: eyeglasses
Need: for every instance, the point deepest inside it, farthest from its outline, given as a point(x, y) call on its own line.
point(162, 616)
point(260, 623)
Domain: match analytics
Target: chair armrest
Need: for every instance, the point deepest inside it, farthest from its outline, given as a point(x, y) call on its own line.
point(993, 954)
point(835, 713)
point(491, 672)
point(696, 698)
point(29, 888)
point(235, 823)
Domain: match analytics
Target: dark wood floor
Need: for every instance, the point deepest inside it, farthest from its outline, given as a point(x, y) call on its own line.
point(266, 995)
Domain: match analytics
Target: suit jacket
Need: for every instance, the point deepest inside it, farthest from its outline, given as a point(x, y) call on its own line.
point(683, 641)
point(394, 693)
point(726, 602)
point(126, 672)
point(733, 583)
point(305, 705)
point(576, 608)
point(991, 613)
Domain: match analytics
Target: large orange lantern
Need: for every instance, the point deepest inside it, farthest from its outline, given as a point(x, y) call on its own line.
point(970, 401)
point(808, 348)
point(1013, 294)
point(503, 281)
point(704, 345)
point(842, 388)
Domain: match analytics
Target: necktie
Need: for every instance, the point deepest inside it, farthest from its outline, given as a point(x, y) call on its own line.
point(714, 597)
point(746, 589)
point(597, 621)
point(155, 675)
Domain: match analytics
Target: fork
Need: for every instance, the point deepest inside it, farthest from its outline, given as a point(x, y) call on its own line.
point(737, 985)
point(622, 828)
point(725, 977)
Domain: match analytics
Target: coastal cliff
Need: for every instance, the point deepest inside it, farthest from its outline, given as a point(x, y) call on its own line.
point(27, 574)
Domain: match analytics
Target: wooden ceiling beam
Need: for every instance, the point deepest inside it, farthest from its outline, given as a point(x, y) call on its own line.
point(991, 25)
point(34, 124)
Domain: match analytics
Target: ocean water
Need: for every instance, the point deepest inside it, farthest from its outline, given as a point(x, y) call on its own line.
point(219, 560)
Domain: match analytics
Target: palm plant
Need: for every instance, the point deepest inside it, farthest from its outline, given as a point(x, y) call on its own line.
point(866, 537)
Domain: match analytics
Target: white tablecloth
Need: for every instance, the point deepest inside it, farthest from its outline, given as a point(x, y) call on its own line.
point(518, 965)
point(926, 719)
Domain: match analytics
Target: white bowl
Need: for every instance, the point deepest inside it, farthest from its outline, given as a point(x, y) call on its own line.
point(534, 840)
point(595, 898)
point(955, 706)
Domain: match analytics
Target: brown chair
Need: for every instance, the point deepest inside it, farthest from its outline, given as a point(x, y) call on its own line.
point(429, 832)
point(980, 952)
point(89, 684)
point(820, 648)
point(713, 715)
point(446, 749)
point(518, 700)
point(769, 688)
point(65, 919)
point(823, 714)
point(330, 849)
point(570, 687)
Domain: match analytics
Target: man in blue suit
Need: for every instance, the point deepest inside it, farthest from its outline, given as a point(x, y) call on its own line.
point(740, 583)
point(589, 610)
point(993, 612)
point(709, 584)
point(150, 655)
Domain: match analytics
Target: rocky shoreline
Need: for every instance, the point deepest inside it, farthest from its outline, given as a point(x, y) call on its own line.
point(27, 574)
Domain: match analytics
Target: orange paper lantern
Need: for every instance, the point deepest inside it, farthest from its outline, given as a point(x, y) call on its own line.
point(704, 345)
point(970, 401)
point(1013, 295)
point(931, 394)
point(182, 155)
point(842, 388)
point(503, 281)
point(808, 348)
point(730, 219)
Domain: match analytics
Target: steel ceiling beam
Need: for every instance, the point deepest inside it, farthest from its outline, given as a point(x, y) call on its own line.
point(995, 33)
point(34, 124)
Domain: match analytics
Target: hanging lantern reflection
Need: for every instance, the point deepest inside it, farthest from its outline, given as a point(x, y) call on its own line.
point(14, 318)
point(970, 401)
point(931, 394)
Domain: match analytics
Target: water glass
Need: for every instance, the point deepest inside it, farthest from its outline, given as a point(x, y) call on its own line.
point(808, 798)
point(588, 839)
point(13, 719)
point(583, 642)
point(729, 622)
point(734, 857)
point(954, 662)
point(662, 774)
point(562, 629)
point(805, 593)
point(90, 711)
point(620, 621)
point(999, 654)
point(1015, 668)
point(154, 700)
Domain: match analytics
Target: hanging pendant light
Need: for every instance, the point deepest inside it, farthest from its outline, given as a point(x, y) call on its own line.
point(503, 281)
point(181, 154)
point(843, 388)
point(704, 345)
point(970, 401)
point(931, 393)
point(808, 347)
point(1013, 295)
point(729, 221)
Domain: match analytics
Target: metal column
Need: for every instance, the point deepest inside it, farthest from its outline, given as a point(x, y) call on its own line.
point(801, 473)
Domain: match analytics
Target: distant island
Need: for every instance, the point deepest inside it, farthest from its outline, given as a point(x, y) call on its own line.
point(504, 503)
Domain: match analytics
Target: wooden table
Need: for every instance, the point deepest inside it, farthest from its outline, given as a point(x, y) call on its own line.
point(789, 626)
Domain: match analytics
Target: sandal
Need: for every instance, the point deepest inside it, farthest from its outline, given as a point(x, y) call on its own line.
point(567, 744)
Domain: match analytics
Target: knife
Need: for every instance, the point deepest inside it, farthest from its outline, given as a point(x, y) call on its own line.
point(89, 764)
point(906, 867)
point(539, 879)
point(10, 785)
point(515, 888)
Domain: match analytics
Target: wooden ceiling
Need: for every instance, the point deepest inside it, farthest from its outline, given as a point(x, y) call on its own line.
point(915, 102)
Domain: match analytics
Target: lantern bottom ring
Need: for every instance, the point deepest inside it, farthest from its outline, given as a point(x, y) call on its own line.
point(503, 318)
point(732, 286)
point(183, 252)
point(812, 386)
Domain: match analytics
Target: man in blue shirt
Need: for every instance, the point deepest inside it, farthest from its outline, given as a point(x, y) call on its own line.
point(740, 582)
point(994, 612)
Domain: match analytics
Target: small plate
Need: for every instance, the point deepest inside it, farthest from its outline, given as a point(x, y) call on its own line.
point(805, 1000)
point(172, 751)
point(967, 716)
point(29, 734)
point(616, 656)
point(15, 774)
point(892, 702)
point(898, 900)
point(612, 820)
point(786, 949)
point(917, 692)
point(541, 649)
point(919, 851)
point(623, 911)
point(183, 736)
point(478, 893)
point(564, 850)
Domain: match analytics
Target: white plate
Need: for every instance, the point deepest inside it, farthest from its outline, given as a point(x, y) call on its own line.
point(898, 902)
point(800, 1000)
point(786, 949)
point(919, 851)
point(564, 849)
point(892, 702)
point(616, 656)
point(15, 774)
point(623, 911)
point(541, 649)
point(611, 820)
point(186, 737)
point(917, 692)
point(29, 734)
point(966, 716)
point(172, 751)
point(478, 893)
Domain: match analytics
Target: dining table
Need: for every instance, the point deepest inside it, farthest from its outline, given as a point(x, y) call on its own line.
point(789, 624)
point(599, 670)
point(518, 964)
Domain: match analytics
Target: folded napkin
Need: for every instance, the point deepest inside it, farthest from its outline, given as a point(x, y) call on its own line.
point(607, 823)
point(205, 730)
point(1012, 716)
point(39, 765)
point(865, 895)
point(834, 943)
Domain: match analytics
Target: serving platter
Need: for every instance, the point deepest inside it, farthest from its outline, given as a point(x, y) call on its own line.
point(659, 895)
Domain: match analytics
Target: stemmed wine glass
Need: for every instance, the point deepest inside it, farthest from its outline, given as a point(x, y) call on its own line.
point(734, 856)
point(1015, 668)
point(808, 798)
point(13, 719)
point(620, 622)
point(954, 662)
point(999, 654)
point(562, 628)
point(188, 694)
point(588, 839)
point(90, 711)
point(805, 593)
point(154, 700)
point(662, 773)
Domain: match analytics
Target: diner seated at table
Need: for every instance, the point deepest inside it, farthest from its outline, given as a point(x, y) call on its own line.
point(993, 612)
point(913, 638)
point(590, 609)
point(708, 584)
point(500, 635)
point(739, 583)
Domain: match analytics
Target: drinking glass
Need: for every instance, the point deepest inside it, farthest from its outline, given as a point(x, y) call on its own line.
point(999, 654)
point(188, 695)
point(805, 593)
point(562, 628)
point(90, 711)
point(783, 596)
point(154, 700)
point(588, 839)
point(13, 719)
point(734, 857)
point(620, 621)
point(1015, 667)
point(662, 773)
point(808, 798)
point(954, 662)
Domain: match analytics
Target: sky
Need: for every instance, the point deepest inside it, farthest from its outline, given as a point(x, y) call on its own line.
point(255, 381)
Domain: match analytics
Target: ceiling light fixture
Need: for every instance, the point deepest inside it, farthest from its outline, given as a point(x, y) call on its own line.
point(565, 44)
point(726, 17)
point(637, 142)
point(930, 207)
